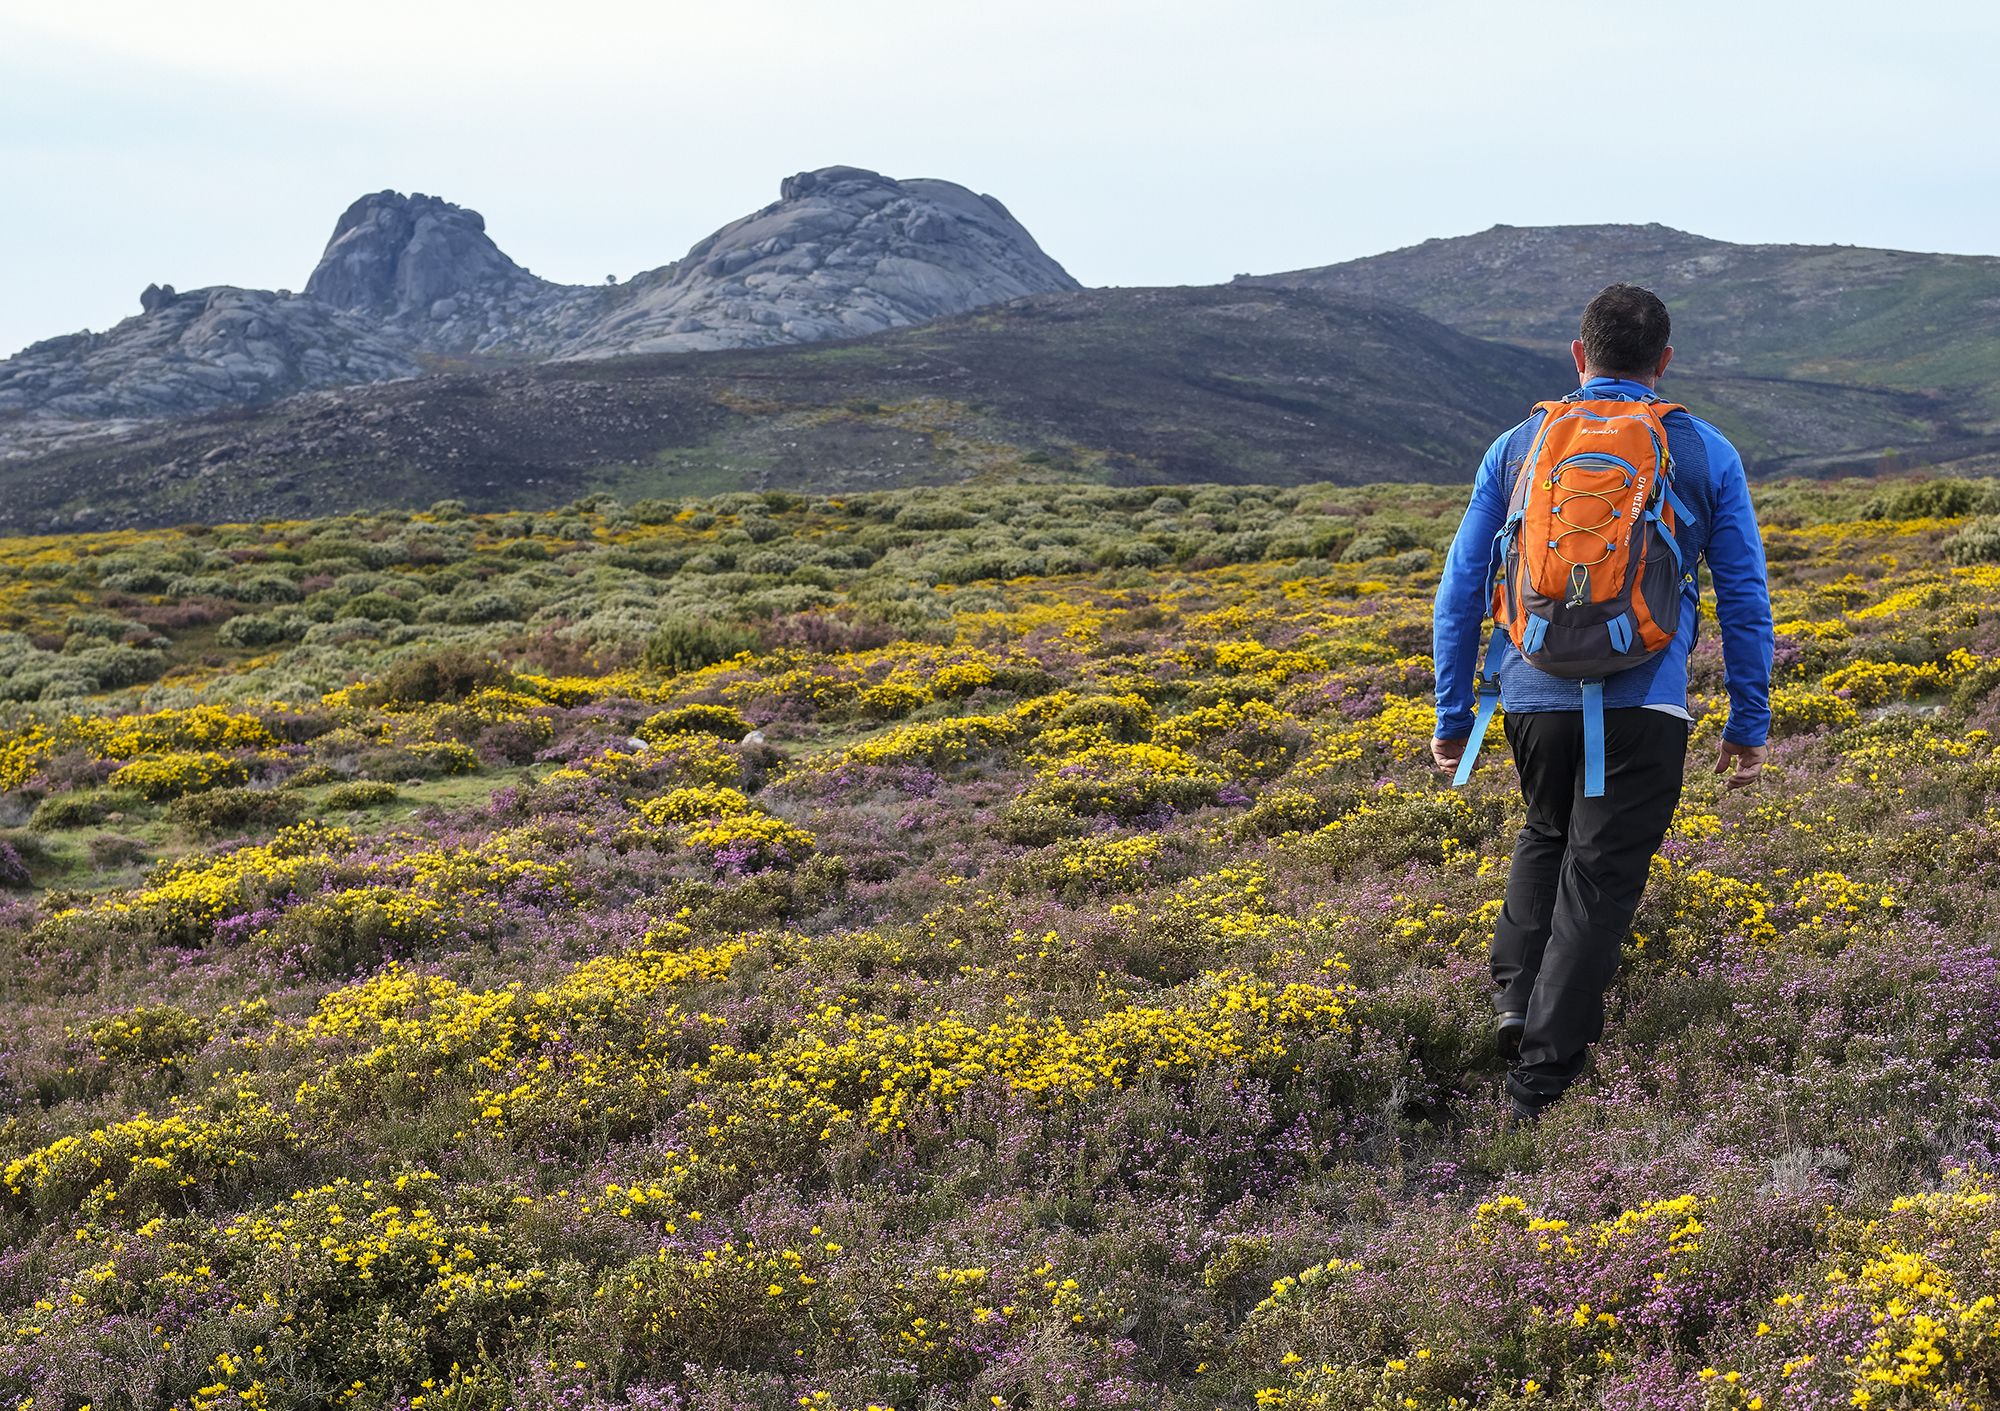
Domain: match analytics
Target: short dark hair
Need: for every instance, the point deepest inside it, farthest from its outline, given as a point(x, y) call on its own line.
point(1625, 329)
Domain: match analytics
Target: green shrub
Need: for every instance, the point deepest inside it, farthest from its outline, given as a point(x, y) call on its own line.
point(653, 564)
point(225, 810)
point(351, 929)
point(1289, 810)
point(1125, 717)
point(1393, 830)
point(148, 1035)
point(112, 667)
point(450, 674)
point(1978, 542)
point(100, 626)
point(724, 722)
point(1126, 793)
point(1130, 553)
point(1796, 710)
point(1390, 539)
point(1941, 499)
point(1973, 686)
point(484, 607)
point(443, 757)
point(688, 643)
point(360, 793)
point(265, 588)
point(933, 517)
point(138, 580)
point(1034, 824)
point(263, 629)
point(168, 776)
point(1023, 679)
point(110, 851)
point(381, 607)
point(74, 810)
point(771, 563)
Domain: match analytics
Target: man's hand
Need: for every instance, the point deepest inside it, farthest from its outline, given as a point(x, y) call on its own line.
point(1742, 763)
point(1447, 753)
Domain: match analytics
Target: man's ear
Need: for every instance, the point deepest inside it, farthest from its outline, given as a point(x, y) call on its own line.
point(1666, 356)
point(1576, 352)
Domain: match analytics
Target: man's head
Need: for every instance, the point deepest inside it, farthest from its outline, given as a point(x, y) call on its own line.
point(1625, 332)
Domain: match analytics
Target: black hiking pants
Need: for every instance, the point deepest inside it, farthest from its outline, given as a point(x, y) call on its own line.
point(1579, 867)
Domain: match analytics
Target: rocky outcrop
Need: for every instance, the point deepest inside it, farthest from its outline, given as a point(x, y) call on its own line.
point(393, 254)
point(199, 351)
point(429, 273)
point(843, 252)
point(408, 279)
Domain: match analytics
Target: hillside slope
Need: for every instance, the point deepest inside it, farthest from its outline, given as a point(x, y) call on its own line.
point(1127, 386)
point(1892, 319)
point(1232, 384)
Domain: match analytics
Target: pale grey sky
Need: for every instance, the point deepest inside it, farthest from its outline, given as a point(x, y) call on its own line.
point(198, 142)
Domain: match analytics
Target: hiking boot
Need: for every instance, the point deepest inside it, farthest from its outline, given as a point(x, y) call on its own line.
point(1520, 1114)
point(1507, 1031)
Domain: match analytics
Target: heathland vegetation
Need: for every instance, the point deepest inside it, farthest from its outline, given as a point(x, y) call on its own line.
point(996, 948)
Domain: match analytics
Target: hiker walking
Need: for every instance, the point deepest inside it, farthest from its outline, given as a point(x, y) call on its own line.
point(1587, 525)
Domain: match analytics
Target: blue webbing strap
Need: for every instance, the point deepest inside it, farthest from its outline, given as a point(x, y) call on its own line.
point(1682, 515)
point(1482, 721)
point(1482, 718)
point(1593, 739)
point(1666, 534)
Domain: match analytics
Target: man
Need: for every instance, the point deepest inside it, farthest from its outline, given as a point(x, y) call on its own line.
point(1581, 861)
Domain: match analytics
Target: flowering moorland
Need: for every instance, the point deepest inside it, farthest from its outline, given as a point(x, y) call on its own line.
point(998, 948)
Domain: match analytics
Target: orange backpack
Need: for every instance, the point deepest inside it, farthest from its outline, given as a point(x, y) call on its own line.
point(1586, 569)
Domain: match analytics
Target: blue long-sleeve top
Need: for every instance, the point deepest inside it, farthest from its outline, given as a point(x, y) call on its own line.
point(1709, 478)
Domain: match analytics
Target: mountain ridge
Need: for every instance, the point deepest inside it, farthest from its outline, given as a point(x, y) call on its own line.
point(475, 379)
point(1216, 383)
point(407, 280)
point(1894, 319)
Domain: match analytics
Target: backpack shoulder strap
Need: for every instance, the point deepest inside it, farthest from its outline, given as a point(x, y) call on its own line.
point(1514, 457)
point(1522, 438)
point(1683, 516)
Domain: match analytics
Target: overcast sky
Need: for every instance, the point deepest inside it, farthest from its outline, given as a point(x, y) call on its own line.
point(198, 142)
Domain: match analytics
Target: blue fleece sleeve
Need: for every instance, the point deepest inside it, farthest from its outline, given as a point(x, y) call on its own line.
point(1463, 594)
point(1742, 595)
